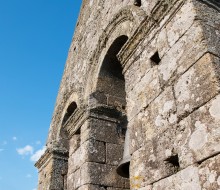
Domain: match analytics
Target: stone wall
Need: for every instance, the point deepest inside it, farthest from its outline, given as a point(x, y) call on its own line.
point(169, 67)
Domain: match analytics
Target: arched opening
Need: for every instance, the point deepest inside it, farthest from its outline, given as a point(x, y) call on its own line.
point(111, 81)
point(70, 110)
point(63, 131)
point(111, 86)
point(65, 142)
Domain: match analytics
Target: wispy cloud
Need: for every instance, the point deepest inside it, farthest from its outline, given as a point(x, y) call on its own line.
point(35, 157)
point(1, 149)
point(5, 142)
point(14, 138)
point(27, 150)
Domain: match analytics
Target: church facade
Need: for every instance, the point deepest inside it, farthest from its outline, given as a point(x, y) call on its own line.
point(139, 102)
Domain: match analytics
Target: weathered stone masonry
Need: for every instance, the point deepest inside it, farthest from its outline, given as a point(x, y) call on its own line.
point(145, 74)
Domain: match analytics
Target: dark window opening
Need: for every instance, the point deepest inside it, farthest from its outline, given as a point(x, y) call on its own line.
point(111, 65)
point(155, 59)
point(111, 82)
point(70, 110)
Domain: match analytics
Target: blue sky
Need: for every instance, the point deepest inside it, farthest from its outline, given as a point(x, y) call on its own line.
point(35, 36)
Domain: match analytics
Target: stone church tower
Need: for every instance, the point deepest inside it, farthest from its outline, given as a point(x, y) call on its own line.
point(142, 78)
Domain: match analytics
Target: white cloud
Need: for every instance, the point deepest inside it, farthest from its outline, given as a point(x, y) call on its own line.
point(27, 150)
point(1, 149)
point(28, 176)
point(5, 142)
point(34, 189)
point(35, 157)
point(38, 142)
point(14, 138)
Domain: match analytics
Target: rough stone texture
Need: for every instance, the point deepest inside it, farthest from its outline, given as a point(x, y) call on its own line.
point(152, 71)
point(114, 154)
point(185, 179)
point(90, 151)
point(102, 174)
point(209, 174)
point(200, 134)
point(198, 85)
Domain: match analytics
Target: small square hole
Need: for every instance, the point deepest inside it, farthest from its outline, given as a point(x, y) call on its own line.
point(137, 3)
point(173, 161)
point(155, 59)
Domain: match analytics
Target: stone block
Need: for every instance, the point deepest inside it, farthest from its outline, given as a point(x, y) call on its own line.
point(90, 151)
point(155, 119)
point(143, 93)
point(209, 173)
point(212, 36)
point(114, 154)
point(182, 54)
point(198, 85)
point(74, 143)
point(141, 62)
point(136, 135)
point(199, 134)
point(102, 174)
point(161, 112)
point(74, 180)
point(101, 130)
point(162, 42)
point(185, 179)
point(146, 168)
point(181, 22)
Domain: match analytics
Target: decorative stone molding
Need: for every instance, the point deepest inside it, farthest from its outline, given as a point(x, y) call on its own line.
point(104, 112)
point(98, 111)
point(130, 13)
point(52, 153)
point(75, 121)
point(162, 9)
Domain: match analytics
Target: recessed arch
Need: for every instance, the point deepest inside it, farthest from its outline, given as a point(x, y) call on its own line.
point(111, 84)
point(125, 22)
point(69, 111)
point(110, 81)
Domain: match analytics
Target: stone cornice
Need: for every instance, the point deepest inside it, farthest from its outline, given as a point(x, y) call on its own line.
point(160, 11)
point(50, 153)
point(99, 111)
point(104, 112)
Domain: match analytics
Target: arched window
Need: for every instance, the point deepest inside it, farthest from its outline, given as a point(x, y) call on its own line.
point(70, 110)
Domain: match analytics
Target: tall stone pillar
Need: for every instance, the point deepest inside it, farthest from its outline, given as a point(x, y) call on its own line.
point(96, 148)
point(53, 169)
